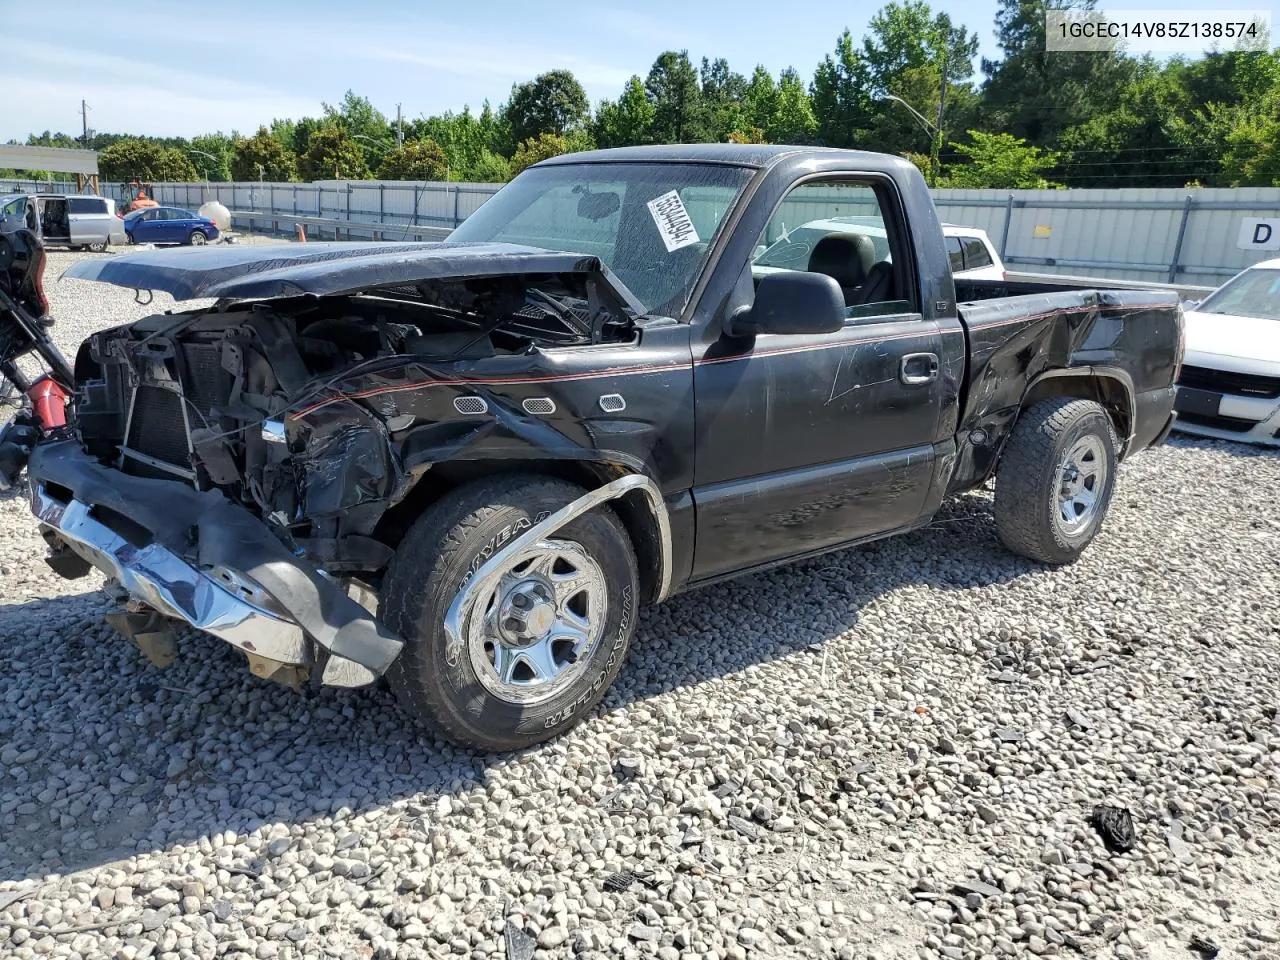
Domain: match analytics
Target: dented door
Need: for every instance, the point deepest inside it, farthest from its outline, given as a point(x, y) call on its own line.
point(809, 441)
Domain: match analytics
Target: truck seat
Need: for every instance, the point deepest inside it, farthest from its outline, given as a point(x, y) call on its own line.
point(845, 257)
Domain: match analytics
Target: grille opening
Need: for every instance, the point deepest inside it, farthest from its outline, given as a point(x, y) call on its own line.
point(1224, 381)
point(1234, 424)
point(132, 531)
point(470, 405)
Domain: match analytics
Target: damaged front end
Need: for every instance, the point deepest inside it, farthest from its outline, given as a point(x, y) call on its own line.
point(233, 467)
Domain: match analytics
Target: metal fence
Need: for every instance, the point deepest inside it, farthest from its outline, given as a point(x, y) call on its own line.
point(1186, 236)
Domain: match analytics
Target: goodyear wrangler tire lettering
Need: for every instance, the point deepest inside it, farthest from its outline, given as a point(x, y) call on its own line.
point(442, 551)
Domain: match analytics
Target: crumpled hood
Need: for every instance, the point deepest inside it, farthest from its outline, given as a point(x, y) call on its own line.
point(324, 269)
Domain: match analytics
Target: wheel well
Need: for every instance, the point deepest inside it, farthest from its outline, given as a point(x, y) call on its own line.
point(632, 508)
point(1107, 391)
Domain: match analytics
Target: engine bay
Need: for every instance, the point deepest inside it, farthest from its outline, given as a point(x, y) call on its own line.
point(202, 397)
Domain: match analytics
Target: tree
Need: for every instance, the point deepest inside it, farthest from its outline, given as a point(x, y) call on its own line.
point(490, 168)
point(1037, 95)
point(792, 119)
point(263, 157)
point(547, 145)
point(723, 99)
point(218, 146)
point(841, 101)
point(553, 102)
point(627, 121)
point(908, 35)
point(672, 87)
point(1000, 161)
point(332, 155)
point(760, 101)
point(134, 159)
point(416, 160)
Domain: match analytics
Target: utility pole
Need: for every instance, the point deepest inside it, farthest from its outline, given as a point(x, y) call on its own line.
point(84, 119)
point(399, 129)
point(937, 139)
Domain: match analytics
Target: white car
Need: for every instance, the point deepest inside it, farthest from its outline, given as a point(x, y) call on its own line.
point(1229, 387)
point(973, 256)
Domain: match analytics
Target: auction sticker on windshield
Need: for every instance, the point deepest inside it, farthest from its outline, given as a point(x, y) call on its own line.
point(673, 221)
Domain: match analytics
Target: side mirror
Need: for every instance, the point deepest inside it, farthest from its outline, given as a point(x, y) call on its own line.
point(791, 302)
point(1190, 304)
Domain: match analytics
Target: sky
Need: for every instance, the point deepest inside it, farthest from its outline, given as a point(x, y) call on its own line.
point(181, 69)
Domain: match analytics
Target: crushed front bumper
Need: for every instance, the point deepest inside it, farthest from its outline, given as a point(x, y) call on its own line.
point(202, 559)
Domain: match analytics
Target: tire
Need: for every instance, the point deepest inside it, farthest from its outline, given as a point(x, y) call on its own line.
point(1061, 454)
point(461, 692)
point(197, 238)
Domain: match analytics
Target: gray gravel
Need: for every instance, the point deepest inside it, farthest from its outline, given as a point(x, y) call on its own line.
point(888, 752)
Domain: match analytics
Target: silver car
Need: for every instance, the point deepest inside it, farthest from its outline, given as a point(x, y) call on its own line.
point(70, 220)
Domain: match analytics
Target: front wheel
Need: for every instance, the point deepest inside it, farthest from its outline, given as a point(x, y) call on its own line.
point(98, 247)
point(197, 238)
point(540, 648)
point(1055, 480)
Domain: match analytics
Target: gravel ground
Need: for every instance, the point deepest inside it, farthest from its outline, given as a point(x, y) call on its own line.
point(887, 752)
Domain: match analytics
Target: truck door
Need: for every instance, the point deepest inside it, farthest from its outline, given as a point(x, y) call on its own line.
point(809, 441)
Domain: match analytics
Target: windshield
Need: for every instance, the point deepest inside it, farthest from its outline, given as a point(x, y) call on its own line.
point(651, 223)
point(1254, 293)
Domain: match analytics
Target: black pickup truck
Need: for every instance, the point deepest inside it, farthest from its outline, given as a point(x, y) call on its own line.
point(464, 465)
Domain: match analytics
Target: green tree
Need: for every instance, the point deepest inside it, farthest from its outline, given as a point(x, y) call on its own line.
point(673, 89)
point(627, 121)
point(263, 157)
point(416, 160)
point(760, 101)
point(909, 35)
point(723, 99)
point(134, 159)
point(221, 148)
point(547, 145)
point(490, 168)
point(1037, 95)
point(841, 98)
point(553, 102)
point(1000, 161)
point(792, 119)
point(333, 155)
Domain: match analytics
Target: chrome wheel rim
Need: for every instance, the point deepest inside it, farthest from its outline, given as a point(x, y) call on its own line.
point(198, 239)
point(1082, 479)
point(532, 635)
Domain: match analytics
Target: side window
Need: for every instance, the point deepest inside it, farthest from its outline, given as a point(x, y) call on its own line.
point(14, 207)
point(86, 205)
point(975, 254)
point(955, 254)
point(847, 230)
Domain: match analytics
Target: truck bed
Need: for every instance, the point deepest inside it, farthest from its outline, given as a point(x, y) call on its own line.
point(1021, 331)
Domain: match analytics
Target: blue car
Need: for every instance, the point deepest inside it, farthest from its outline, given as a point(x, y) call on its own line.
point(169, 225)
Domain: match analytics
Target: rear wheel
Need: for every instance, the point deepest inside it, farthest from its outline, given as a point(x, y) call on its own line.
point(540, 648)
point(1055, 480)
point(98, 247)
point(197, 238)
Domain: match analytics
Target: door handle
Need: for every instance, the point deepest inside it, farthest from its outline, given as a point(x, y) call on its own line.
point(918, 368)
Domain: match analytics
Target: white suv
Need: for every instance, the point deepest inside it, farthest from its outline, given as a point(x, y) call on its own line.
point(973, 257)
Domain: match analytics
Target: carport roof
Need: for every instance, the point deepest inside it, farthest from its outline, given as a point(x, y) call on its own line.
point(55, 159)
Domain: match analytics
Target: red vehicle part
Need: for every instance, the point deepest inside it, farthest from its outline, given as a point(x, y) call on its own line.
point(49, 402)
